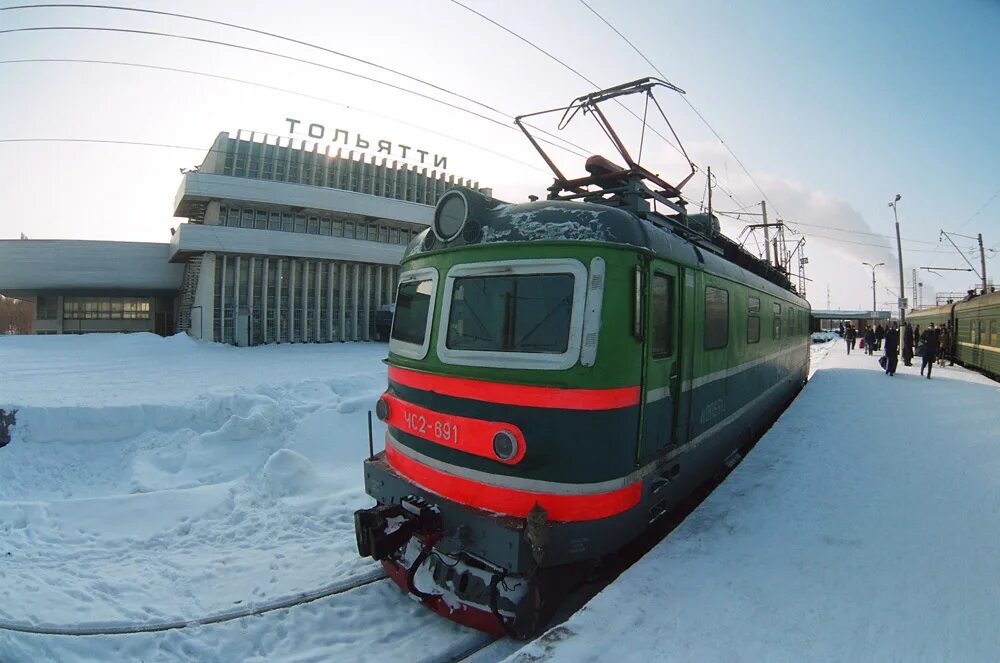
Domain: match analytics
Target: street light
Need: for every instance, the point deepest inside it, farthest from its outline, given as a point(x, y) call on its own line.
point(899, 251)
point(874, 310)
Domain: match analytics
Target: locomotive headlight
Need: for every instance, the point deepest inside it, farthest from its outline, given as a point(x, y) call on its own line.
point(504, 445)
point(382, 409)
point(450, 215)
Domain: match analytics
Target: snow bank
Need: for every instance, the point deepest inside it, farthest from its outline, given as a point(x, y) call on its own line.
point(863, 526)
point(151, 479)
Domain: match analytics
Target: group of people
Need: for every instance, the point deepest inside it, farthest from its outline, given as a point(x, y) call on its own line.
point(933, 344)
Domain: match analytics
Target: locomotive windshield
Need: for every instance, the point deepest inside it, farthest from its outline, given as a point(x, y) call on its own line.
point(529, 313)
point(413, 299)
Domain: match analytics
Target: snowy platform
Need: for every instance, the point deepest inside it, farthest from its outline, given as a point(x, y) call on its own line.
point(864, 526)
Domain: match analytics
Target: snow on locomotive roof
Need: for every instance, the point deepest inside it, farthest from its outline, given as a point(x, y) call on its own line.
point(552, 220)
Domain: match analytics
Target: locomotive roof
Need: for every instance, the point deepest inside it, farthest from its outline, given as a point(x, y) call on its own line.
point(499, 222)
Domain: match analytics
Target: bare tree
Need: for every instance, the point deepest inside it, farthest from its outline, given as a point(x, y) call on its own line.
point(15, 316)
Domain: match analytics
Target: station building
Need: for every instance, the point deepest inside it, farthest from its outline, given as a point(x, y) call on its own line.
point(282, 242)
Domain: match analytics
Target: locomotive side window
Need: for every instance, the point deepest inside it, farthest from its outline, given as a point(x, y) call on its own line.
point(529, 313)
point(662, 322)
point(753, 320)
point(716, 318)
point(411, 322)
point(777, 321)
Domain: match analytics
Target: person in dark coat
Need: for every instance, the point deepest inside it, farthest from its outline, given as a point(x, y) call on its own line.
point(879, 335)
point(892, 349)
point(908, 345)
point(944, 348)
point(869, 341)
point(929, 342)
point(851, 336)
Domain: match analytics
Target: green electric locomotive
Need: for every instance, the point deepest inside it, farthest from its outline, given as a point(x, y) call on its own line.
point(561, 374)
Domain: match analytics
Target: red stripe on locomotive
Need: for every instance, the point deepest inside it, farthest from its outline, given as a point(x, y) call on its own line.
point(514, 394)
point(508, 501)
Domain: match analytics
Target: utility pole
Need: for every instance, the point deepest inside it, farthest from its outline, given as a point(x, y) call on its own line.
point(874, 310)
point(982, 260)
point(899, 251)
point(710, 194)
point(767, 235)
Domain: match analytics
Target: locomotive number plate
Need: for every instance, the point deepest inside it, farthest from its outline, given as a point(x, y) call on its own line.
point(435, 428)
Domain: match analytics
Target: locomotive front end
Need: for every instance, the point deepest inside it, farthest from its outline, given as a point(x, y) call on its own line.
point(505, 469)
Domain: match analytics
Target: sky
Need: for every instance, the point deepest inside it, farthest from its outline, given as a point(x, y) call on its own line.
point(832, 108)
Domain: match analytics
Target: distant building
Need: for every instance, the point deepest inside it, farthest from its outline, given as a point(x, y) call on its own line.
point(282, 243)
point(79, 286)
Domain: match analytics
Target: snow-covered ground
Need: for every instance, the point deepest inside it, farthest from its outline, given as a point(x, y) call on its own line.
point(864, 526)
point(153, 480)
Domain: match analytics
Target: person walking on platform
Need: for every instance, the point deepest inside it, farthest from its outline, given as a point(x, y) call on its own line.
point(929, 342)
point(908, 345)
point(869, 341)
point(879, 335)
point(851, 336)
point(944, 349)
point(892, 349)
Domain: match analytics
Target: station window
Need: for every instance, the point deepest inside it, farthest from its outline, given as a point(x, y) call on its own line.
point(47, 308)
point(106, 308)
point(753, 320)
point(777, 321)
point(716, 318)
point(338, 228)
point(662, 315)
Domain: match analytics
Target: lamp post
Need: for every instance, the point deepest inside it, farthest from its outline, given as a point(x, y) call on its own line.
point(874, 310)
point(899, 251)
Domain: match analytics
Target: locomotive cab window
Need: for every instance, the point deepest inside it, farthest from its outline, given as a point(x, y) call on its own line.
point(513, 314)
point(527, 313)
point(411, 322)
point(716, 318)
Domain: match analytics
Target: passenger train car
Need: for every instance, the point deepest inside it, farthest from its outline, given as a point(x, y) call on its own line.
point(976, 329)
point(561, 374)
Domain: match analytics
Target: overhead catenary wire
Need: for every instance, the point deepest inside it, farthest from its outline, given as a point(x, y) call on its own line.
point(562, 63)
point(729, 194)
point(575, 149)
point(980, 210)
point(266, 33)
point(689, 103)
point(273, 88)
point(293, 40)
